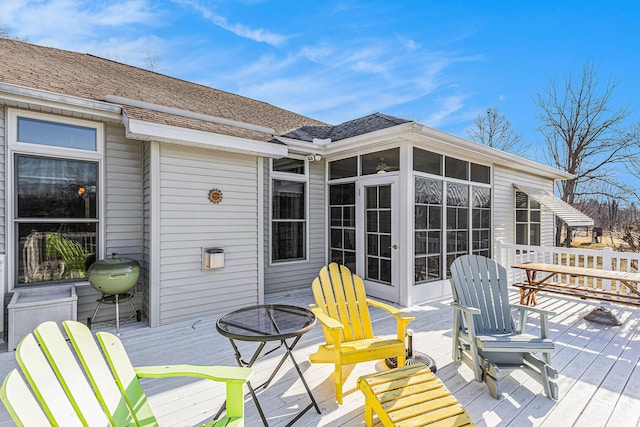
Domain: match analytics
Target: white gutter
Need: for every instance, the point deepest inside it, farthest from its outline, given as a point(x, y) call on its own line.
point(186, 113)
point(148, 131)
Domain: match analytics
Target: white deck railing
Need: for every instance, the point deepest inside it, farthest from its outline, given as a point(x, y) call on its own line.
point(508, 254)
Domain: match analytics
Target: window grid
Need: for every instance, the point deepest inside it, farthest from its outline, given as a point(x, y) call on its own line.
point(527, 220)
point(342, 226)
point(427, 230)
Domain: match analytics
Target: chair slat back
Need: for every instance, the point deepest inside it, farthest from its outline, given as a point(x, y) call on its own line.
point(20, 403)
point(98, 372)
point(70, 374)
point(341, 295)
point(45, 384)
point(480, 282)
point(126, 379)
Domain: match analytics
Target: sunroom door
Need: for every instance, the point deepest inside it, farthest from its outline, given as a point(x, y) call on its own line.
point(378, 232)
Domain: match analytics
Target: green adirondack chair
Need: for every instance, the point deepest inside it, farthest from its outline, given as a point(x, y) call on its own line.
point(58, 393)
point(485, 334)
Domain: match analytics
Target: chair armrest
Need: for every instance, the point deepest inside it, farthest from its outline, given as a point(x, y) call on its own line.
point(544, 318)
point(464, 308)
point(228, 374)
point(402, 318)
point(395, 312)
point(534, 309)
point(326, 321)
point(235, 378)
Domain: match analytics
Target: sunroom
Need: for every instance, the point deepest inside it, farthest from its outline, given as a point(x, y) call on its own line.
point(404, 201)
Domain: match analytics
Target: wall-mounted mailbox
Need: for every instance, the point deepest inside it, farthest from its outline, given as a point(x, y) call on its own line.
point(212, 258)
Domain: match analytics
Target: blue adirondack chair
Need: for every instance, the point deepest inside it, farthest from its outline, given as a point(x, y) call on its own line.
point(485, 334)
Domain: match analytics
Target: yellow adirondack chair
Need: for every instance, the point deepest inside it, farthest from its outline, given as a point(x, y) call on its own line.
point(342, 307)
point(59, 394)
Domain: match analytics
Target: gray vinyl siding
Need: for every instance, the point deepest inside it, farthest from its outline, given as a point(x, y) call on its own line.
point(189, 222)
point(299, 275)
point(504, 202)
point(123, 221)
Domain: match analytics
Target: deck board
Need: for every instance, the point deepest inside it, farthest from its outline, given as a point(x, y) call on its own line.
point(599, 370)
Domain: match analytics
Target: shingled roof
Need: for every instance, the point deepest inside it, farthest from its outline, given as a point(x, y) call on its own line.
point(366, 124)
point(91, 77)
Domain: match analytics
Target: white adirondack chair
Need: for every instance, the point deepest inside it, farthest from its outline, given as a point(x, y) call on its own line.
point(485, 335)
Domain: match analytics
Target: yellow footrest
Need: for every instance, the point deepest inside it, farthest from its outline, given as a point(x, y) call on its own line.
point(410, 396)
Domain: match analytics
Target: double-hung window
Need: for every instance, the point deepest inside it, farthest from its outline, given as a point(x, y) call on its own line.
point(54, 165)
point(289, 183)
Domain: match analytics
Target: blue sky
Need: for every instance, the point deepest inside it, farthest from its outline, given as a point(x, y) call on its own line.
point(440, 63)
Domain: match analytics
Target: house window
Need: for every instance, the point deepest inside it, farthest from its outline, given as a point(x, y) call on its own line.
point(342, 226)
point(452, 215)
point(55, 166)
point(528, 216)
point(481, 221)
point(380, 162)
point(456, 168)
point(288, 165)
point(344, 168)
point(427, 162)
point(288, 213)
point(427, 229)
point(457, 202)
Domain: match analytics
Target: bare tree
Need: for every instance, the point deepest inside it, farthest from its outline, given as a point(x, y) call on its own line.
point(4, 32)
point(151, 59)
point(583, 135)
point(494, 129)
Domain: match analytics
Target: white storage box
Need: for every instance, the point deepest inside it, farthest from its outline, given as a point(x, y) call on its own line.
point(31, 306)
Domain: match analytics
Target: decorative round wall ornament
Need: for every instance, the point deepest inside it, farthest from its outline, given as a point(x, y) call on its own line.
point(215, 196)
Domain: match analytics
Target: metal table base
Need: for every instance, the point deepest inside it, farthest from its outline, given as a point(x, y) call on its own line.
point(263, 324)
point(252, 390)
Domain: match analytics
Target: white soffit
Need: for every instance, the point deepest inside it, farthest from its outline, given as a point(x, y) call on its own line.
point(572, 216)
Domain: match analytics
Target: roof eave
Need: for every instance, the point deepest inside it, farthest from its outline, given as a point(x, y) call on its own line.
point(148, 131)
point(486, 153)
point(21, 95)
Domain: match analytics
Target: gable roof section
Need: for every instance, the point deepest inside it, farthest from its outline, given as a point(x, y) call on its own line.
point(360, 126)
point(90, 77)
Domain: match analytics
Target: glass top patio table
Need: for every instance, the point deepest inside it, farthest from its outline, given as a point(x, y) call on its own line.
point(259, 323)
point(262, 324)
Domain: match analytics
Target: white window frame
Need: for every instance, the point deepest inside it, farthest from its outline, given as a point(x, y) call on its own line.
point(286, 176)
point(444, 241)
point(528, 222)
point(15, 147)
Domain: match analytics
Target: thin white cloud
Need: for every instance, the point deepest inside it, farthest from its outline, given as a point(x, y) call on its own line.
point(447, 107)
point(409, 43)
point(77, 24)
point(240, 30)
point(316, 74)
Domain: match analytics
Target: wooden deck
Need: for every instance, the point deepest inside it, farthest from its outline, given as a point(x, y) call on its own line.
point(599, 371)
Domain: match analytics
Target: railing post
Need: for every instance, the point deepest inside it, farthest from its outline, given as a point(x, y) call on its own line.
point(607, 258)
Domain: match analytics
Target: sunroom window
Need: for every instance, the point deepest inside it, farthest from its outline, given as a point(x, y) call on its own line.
point(56, 184)
point(452, 212)
point(288, 210)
